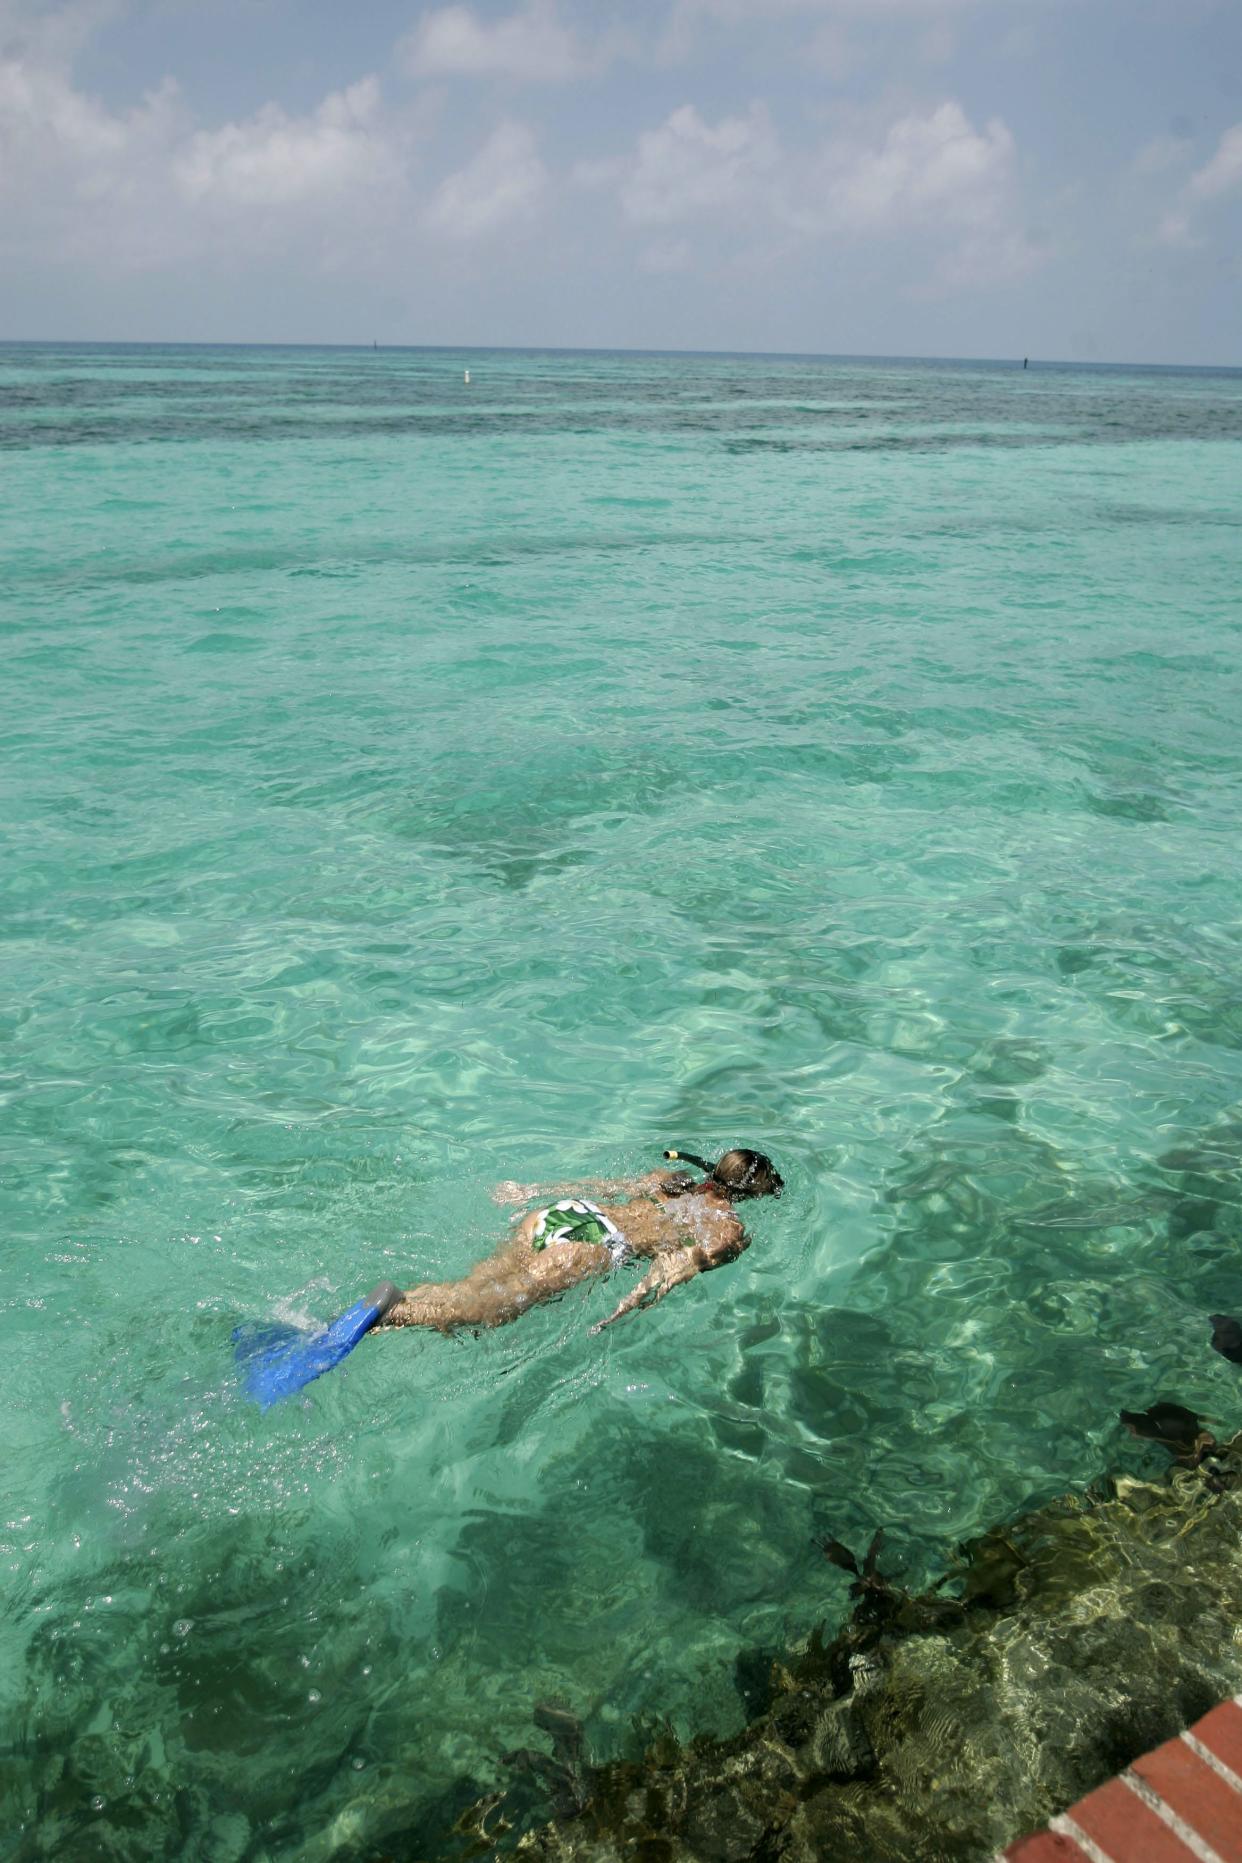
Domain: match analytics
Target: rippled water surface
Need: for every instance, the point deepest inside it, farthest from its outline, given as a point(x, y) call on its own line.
point(409, 785)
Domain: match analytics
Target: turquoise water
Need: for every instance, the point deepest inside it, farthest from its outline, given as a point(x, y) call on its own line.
point(408, 786)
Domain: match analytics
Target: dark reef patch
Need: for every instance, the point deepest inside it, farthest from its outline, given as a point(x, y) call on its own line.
point(939, 1724)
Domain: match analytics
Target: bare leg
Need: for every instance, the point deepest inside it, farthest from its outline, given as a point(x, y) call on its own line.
point(442, 1305)
point(496, 1290)
point(447, 1305)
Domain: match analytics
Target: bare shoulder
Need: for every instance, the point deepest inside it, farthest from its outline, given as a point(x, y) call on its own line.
point(645, 1222)
point(662, 1184)
point(711, 1222)
point(652, 1225)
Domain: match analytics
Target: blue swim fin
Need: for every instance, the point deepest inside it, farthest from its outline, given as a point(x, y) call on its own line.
point(279, 1360)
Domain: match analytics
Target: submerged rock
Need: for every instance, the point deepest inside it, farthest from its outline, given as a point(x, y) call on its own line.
point(942, 1725)
point(1227, 1337)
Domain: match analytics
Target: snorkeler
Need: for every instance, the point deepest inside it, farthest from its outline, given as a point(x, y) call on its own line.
point(682, 1227)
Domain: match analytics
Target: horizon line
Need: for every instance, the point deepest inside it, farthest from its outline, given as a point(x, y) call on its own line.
point(557, 349)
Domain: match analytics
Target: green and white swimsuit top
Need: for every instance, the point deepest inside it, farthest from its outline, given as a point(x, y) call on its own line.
point(573, 1219)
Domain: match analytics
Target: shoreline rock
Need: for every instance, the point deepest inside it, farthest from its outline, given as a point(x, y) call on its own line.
point(940, 1725)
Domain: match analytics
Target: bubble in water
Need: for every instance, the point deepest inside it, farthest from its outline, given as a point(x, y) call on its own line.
point(183, 1627)
point(314, 1695)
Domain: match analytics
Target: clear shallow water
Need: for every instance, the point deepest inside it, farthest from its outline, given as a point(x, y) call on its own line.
point(408, 786)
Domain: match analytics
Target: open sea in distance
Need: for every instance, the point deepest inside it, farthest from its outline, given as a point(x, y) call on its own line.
point(408, 785)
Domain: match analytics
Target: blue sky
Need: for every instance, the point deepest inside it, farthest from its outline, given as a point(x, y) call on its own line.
point(1058, 178)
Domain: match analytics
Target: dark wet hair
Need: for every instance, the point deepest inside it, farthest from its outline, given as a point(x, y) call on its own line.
point(739, 1173)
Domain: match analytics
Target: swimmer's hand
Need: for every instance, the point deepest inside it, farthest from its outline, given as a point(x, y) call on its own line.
point(512, 1192)
point(666, 1272)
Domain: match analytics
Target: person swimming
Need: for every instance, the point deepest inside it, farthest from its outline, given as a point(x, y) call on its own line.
point(682, 1227)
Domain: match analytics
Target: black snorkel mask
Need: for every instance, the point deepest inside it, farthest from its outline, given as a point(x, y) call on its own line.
point(740, 1186)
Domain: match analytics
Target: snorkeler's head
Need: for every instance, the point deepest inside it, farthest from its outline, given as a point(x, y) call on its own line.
point(739, 1173)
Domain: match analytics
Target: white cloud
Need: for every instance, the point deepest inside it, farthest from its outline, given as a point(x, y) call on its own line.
point(1220, 176)
point(148, 188)
point(932, 169)
point(145, 188)
point(78, 179)
point(686, 168)
point(1160, 154)
point(499, 188)
point(31, 29)
point(275, 160)
point(929, 178)
point(934, 180)
point(1223, 173)
point(43, 118)
point(531, 46)
point(1175, 230)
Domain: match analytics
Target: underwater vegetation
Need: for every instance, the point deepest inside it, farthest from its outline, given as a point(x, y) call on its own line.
point(939, 1724)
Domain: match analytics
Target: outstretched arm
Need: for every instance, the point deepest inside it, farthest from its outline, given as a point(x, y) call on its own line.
point(512, 1192)
point(666, 1272)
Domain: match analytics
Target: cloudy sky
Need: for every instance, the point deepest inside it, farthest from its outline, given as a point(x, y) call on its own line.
point(1058, 178)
